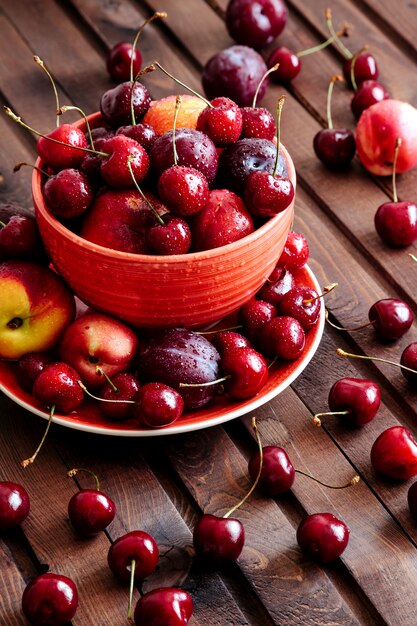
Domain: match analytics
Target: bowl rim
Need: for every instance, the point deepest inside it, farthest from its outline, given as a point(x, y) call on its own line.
point(58, 226)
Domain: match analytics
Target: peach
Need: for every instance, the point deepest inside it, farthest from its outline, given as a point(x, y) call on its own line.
point(160, 114)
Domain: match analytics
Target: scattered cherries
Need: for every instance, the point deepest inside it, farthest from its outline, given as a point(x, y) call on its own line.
point(50, 599)
point(90, 510)
point(323, 536)
point(14, 505)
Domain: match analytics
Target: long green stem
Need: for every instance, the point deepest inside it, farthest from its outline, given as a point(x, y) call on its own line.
point(174, 128)
point(347, 329)
point(131, 587)
point(341, 352)
point(84, 388)
point(279, 111)
point(154, 211)
point(72, 472)
point(346, 53)
point(394, 169)
point(159, 15)
point(353, 481)
point(320, 46)
point(41, 64)
point(332, 81)
point(317, 416)
point(68, 107)
point(255, 97)
point(149, 68)
point(195, 93)
point(31, 459)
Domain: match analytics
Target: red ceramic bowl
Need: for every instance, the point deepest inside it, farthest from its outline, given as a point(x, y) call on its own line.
point(152, 291)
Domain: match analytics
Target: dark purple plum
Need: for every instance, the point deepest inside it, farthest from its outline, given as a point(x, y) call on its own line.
point(235, 73)
point(182, 356)
point(115, 103)
point(194, 150)
point(245, 156)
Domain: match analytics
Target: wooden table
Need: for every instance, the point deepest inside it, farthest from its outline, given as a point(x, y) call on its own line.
point(162, 485)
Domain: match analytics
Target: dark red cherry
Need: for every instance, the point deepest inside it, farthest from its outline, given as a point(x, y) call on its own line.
point(144, 134)
point(369, 92)
point(167, 606)
point(253, 315)
point(114, 168)
point(257, 122)
point(302, 303)
point(323, 536)
point(228, 339)
point(289, 65)
point(412, 499)
point(14, 505)
point(335, 147)
point(123, 387)
point(60, 157)
point(119, 59)
point(50, 600)
point(280, 282)
point(115, 103)
point(409, 359)
point(359, 397)
point(222, 121)
point(365, 68)
point(157, 405)
point(184, 190)
point(394, 454)
point(256, 23)
point(57, 385)
point(29, 367)
point(91, 511)
point(277, 474)
point(246, 371)
point(136, 546)
point(20, 237)
point(295, 253)
point(267, 195)
point(173, 236)
point(218, 539)
point(391, 318)
point(282, 337)
point(396, 223)
point(68, 194)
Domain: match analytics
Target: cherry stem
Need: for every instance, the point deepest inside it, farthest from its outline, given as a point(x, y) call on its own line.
point(2, 224)
point(19, 166)
point(332, 81)
point(215, 332)
point(267, 73)
point(345, 51)
point(316, 418)
point(72, 472)
point(325, 291)
point(321, 46)
point(41, 64)
point(154, 211)
point(84, 388)
point(353, 481)
point(159, 15)
point(208, 384)
point(394, 169)
point(146, 70)
point(341, 352)
point(261, 459)
point(174, 128)
point(131, 587)
point(352, 67)
point(279, 111)
point(353, 329)
point(29, 461)
point(413, 256)
point(101, 372)
point(19, 121)
point(184, 85)
point(274, 360)
point(68, 107)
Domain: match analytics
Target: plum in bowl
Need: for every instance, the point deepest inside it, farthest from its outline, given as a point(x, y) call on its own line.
point(150, 291)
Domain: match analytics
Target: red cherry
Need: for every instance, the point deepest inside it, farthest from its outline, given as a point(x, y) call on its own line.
point(394, 454)
point(14, 505)
point(391, 318)
point(115, 103)
point(323, 536)
point(114, 169)
point(409, 359)
point(295, 253)
point(20, 237)
point(118, 392)
point(50, 599)
point(228, 339)
point(158, 405)
point(358, 397)
point(246, 372)
point(267, 195)
point(257, 122)
point(173, 236)
point(144, 134)
point(365, 68)
point(119, 59)
point(396, 223)
point(282, 337)
point(68, 194)
point(289, 65)
point(29, 367)
point(277, 474)
point(60, 157)
point(218, 539)
point(253, 316)
point(280, 282)
point(167, 606)
point(256, 23)
point(222, 121)
point(90, 510)
point(369, 92)
point(302, 303)
point(57, 385)
point(135, 546)
point(184, 190)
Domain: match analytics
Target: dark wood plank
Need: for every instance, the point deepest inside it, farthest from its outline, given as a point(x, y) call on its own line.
point(12, 585)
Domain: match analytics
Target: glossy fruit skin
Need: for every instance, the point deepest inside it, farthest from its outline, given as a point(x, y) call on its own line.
point(360, 397)
point(289, 65)
point(277, 474)
point(138, 546)
point(229, 339)
point(118, 61)
point(168, 606)
point(68, 194)
point(394, 453)
point(280, 282)
point(217, 539)
point(91, 511)
point(114, 168)
point(14, 505)
point(57, 385)
point(257, 123)
point(50, 600)
point(171, 237)
point(184, 190)
point(409, 359)
point(115, 103)
point(392, 318)
point(412, 499)
point(29, 366)
point(61, 157)
point(248, 372)
point(323, 536)
point(396, 223)
point(158, 405)
point(127, 387)
point(235, 73)
point(20, 238)
point(255, 23)
point(369, 92)
point(365, 68)
point(253, 316)
point(295, 253)
point(282, 337)
point(144, 134)
point(222, 122)
point(267, 195)
point(303, 304)
point(335, 147)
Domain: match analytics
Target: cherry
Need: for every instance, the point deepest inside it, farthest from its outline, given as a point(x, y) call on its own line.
point(246, 372)
point(364, 68)
point(114, 170)
point(280, 282)
point(277, 475)
point(409, 360)
point(14, 505)
point(90, 510)
point(323, 536)
point(302, 303)
point(255, 23)
point(133, 555)
point(412, 499)
point(268, 194)
point(157, 405)
point(369, 92)
point(391, 318)
point(168, 606)
point(68, 194)
point(144, 134)
point(122, 103)
point(118, 394)
point(282, 337)
point(29, 366)
point(396, 222)
point(334, 147)
point(60, 156)
point(253, 315)
point(355, 398)
point(19, 236)
point(394, 453)
point(226, 340)
point(173, 236)
point(257, 122)
point(235, 73)
point(295, 253)
point(50, 599)
point(221, 120)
